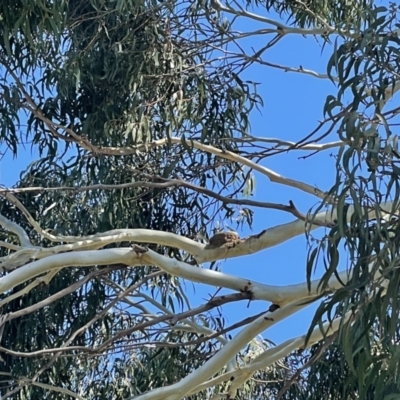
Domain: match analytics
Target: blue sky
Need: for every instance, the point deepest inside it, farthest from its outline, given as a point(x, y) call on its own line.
point(293, 104)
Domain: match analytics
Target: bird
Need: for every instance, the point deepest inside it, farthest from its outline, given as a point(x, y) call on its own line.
point(223, 238)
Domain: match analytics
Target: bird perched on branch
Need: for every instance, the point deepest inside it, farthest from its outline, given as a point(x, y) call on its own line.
point(226, 239)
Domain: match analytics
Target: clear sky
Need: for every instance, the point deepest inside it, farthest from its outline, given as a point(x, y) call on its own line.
point(293, 104)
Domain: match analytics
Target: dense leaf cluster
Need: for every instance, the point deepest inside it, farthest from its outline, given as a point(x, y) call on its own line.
point(115, 74)
point(118, 73)
point(365, 65)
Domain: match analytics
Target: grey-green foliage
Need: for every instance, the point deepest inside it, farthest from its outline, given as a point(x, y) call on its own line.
point(364, 361)
point(118, 73)
point(115, 73)
point(311, 12)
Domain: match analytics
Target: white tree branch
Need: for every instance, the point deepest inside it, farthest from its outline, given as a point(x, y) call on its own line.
point(280, 27)
point(268, 238)
point(272, 355)
point(178, 390)
point(228, 155)
point(15, 228)
point(14, 201)
point(275, 294)
point(268, 357)
point(10, 246)
point(288, 145)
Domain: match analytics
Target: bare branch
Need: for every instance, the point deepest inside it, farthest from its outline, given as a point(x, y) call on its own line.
point(216, 363)
point(173, 319)
point(275, 354)
point(9, 246)
point(280, 27)
point(96, 318)
point(228, 155)
point(14, 201)
point(56, 296)
point(288, 145)
point(165, 183)
point(14, 228)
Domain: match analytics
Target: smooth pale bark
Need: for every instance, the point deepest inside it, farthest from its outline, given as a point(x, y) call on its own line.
point(266, 239)
point(279, 295)
point(216, 363)
point(290, 298)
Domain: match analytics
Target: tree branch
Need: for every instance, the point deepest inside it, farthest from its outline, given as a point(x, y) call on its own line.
point(280, 27)
point(165, 183)
point(14, 228)
point(180, 389)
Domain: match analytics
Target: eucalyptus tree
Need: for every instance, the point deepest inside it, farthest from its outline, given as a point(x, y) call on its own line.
point(139, 114)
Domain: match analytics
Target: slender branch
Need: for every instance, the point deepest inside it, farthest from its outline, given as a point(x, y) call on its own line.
point(327, 342)
point(36, 111)
point(173, 319)
point(216, 363)
point(166, 183)
point(56, 296)
point(280, 27)
point(8, 394)
point(276, 353)
point(214, 335)
point(14, 201)
point(228, 155)
point(288, 145)
point(100, 186)
point(55, 389)
point(15, 228)
point(37, 353)
point(96, 318)
point(190, 326)
point(25, 290)
point(9, 246)
point(256, 58)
